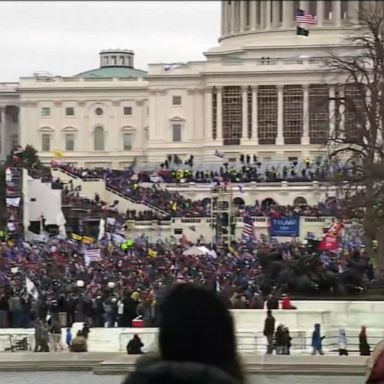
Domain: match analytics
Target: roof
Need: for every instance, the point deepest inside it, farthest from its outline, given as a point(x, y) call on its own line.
point(110, 72)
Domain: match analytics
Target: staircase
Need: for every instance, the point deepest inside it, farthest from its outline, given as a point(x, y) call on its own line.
point(90, 186)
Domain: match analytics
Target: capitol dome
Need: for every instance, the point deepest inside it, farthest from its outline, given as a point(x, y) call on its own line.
point(114, 63)
point(271, 25)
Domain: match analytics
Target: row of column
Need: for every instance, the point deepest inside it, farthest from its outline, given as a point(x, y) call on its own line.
point(264, 15)
point(280, 114)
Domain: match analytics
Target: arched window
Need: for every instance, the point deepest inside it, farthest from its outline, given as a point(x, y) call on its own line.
point(99, 139)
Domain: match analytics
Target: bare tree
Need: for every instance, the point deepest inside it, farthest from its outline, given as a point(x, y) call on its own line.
point(357, 140)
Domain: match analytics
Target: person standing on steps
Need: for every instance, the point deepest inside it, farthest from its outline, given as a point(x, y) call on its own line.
point(269, 331)
point(317, 341)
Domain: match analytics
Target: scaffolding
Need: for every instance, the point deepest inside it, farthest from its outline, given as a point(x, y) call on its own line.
point(222, 215)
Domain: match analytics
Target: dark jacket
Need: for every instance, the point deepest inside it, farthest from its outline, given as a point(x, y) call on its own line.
point(134, 346)
point(269, 326)
point(165, 372)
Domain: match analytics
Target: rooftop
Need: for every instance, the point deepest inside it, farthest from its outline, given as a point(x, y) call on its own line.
point(111, 72)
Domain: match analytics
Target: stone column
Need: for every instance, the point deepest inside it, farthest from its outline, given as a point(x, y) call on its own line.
point(287, 14)
point(353, 11)
point(253, 10)
point(336, 12)
point(341, 127)
point(332, 111)
point(267, 14)
point(208, 113)
point(219, 118)
point(244, 104)
point(305, 137)
point(280, 116)
point(232, 14)
point(242, 16)
point(255, 138)
point(223, 17)
point(320, 12)
point(3, 131)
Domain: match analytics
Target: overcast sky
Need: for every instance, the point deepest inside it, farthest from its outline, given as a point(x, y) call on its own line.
point(64, 38)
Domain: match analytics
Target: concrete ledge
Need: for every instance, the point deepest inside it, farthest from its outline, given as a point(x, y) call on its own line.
point(120, 364)
point(65, 361)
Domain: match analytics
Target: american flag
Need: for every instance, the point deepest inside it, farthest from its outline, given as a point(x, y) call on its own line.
point(304, 18)
point(248, 233)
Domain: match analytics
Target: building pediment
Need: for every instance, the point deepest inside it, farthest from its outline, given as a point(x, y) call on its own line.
point(46, 129)
point(128, 128)
point(176, 118)
point(70, 129)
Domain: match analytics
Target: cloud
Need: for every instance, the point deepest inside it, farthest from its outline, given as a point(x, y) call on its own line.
point(65, 37)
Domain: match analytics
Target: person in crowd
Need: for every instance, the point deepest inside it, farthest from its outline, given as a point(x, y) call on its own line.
point(55, 334)
point(68, 338)
point(86, 330)
point(286, 341)
point(44, 334)
point(375, 374)
point(286, 302)
point(279, 340)
point(196, 341)
point(269, 331)
point(272, 302)
point(342, 342)
point(37, 335)
point(79, 343)
point(134, 346)
point(317, 341)
point(364, 347)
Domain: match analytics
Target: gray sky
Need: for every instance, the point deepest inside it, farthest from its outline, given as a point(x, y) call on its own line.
point(64, 38)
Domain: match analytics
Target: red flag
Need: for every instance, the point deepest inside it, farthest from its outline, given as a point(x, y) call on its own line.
point(329, 243)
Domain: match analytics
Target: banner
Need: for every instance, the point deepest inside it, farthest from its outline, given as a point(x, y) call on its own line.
point(285, 227)
point(91, 255)
point(329, 243)
point(12, 201)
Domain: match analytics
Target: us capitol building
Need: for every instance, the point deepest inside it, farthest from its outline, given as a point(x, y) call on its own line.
point(262, 91)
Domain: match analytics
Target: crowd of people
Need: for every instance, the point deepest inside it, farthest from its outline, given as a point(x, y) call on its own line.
point(124, 282)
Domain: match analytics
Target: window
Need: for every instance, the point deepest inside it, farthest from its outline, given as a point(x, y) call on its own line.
point(99, 111)
point(318, 114)
point(214, 113)
point(45, 142)
point(267, 114)
point(99, 139)
point(232, 115)
point(69, 111)
point(45, 111)
point(127, 111)
point(176, 132)
point(293, 114)
point(69, 141)
point(354, 113)
point(127, 141)
point(249, 112)
point(176, 100)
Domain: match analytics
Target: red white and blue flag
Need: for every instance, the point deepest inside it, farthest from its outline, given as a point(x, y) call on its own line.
point(305, 18)
point(248, 229)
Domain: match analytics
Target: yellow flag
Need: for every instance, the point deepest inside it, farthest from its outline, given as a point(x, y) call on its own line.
point(233, 251)
point(58, 154)
point(88, 240)
point(152, 253)
point(76, 237)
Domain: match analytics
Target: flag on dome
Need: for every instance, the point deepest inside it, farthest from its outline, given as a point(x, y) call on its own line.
point(304, 18)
